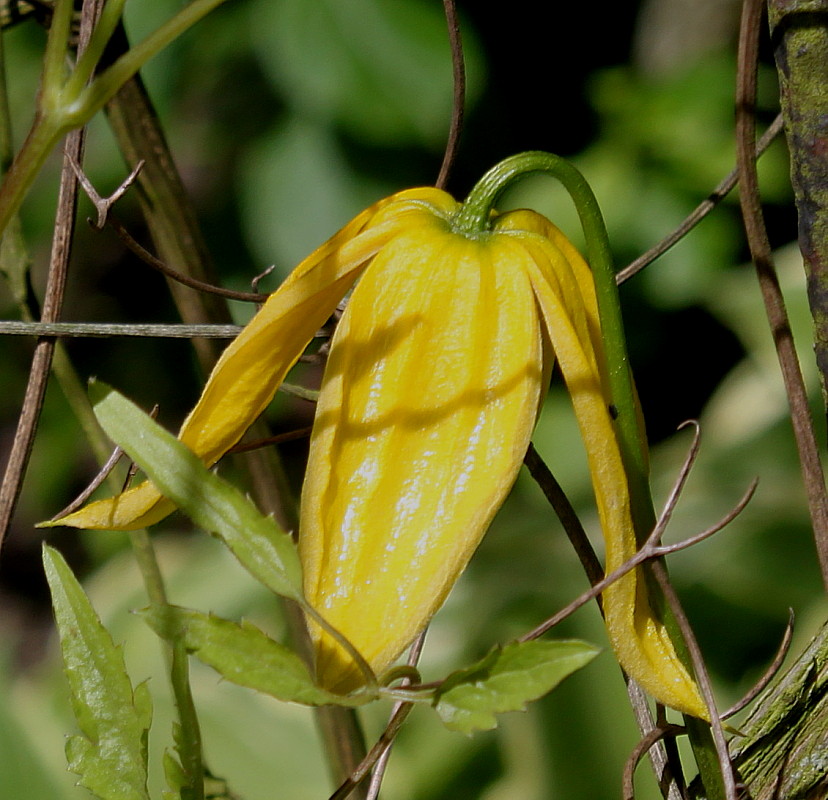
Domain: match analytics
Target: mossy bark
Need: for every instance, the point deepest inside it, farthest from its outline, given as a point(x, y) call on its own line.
point(799, 31)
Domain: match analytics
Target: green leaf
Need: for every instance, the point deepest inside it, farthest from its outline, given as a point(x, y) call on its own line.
point(243, 654)
point(378, 68)
point(110, 755)
point(260, 545)
point(506, 680)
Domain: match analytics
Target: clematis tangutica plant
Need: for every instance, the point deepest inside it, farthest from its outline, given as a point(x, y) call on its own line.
point(436, 374)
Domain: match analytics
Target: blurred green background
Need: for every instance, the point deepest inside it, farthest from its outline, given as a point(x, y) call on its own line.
point(286, 117)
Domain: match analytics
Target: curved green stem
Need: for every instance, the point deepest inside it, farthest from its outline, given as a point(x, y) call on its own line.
point(474, 219)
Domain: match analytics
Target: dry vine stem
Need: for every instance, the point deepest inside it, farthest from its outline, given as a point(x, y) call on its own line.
point(762, 256)
point(700, 212)
point(52, 303)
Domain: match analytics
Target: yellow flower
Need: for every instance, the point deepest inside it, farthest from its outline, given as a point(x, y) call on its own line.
point(435, 377)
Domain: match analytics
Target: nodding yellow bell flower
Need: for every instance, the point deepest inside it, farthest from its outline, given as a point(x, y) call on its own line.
point(435, 377)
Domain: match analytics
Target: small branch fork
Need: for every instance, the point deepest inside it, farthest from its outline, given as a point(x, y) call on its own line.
point(103, 207)
point(651, 550)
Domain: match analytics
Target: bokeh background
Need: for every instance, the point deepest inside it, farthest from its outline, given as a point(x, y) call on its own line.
point(286, 117)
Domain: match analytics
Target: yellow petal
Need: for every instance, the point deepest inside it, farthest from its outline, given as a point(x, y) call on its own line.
point(427, 406)
point(250, 370)
point(641, 642)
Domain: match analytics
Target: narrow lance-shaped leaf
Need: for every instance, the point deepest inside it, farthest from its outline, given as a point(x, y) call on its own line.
point(266, 551)
point(110, 755)
point(243, 654)
point(506, 680)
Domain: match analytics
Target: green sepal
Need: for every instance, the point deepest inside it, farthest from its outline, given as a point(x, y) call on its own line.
point(110, 754)
point(256, 540)
point(242, 654)
point(506, 680)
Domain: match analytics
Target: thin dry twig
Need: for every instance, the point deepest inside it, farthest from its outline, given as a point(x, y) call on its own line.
point(382, 744)
point(104, 204)
point(655, 735)
point(700, 212)
point(760, 250)
point(652, 547)
point(52, 304)
point(107, 329)
point(287, 436)
point(651, 550)
point(102, 475)
point(665, 764)
point(459, 99)
point(103, 207)
point(702, 677)
point(194, 283)
point(378, 772)
point(681, 480)
point(769, 673)
point(575, 532)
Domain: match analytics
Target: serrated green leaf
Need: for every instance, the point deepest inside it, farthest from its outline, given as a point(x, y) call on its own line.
point(260, 545)
point(111, 754)
point(506, 680)
point(242, 654)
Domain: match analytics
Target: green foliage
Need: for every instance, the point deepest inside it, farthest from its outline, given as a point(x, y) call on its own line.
point(506, 680)
point(242, 654)
point(274, 169)
point(110, 755)
point(378, 69)
point(266, 551)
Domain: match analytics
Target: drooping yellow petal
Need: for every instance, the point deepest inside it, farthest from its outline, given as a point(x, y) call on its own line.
point(640, 640)
point(250, 370)
point(564, 267)
point(429, 399)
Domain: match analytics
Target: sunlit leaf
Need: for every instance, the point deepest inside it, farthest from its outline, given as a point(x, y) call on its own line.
point(242, 654)
point(506, 680)
point(266, 551)
point(110, 755)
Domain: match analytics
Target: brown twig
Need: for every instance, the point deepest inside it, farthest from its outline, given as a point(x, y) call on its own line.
point(194, 283)
point(382, 744)
point(651, 550)
point(702, 677)
point(653, 737)
point(378, 771)
point(103, 207)
point(575, 532)
point(102, 475)
point(769, 673)
point(700, 212)
point(760, 250)
point(652, 547)
point(288, 436)
point(684, 473)
point(52, 303)
point(459, 98)
point(666, 767)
